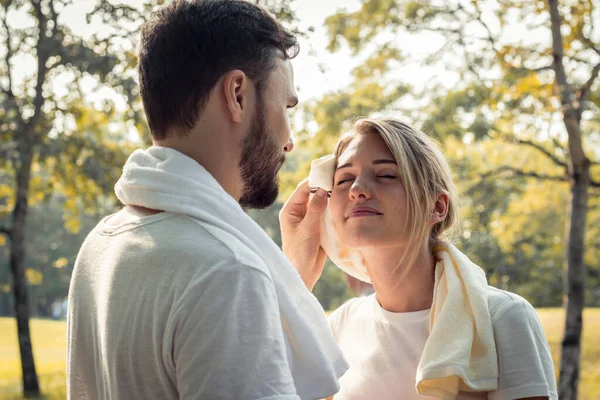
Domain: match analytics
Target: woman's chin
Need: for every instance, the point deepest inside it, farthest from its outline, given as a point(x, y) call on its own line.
point(364, 240)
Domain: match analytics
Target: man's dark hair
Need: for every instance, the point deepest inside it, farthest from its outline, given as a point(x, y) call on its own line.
point(186, 46)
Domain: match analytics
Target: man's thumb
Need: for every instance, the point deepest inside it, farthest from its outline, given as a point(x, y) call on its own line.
point(316, 206)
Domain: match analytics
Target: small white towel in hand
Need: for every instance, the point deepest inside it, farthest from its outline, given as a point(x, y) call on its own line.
point(460, 352)
point(349, 261)
point(164, 179)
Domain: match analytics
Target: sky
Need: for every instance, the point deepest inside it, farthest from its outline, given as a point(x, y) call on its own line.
point(317, 71)
point(311, 82)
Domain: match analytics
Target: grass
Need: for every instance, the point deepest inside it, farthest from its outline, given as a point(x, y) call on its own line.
point(553, 320)
point(49, 346)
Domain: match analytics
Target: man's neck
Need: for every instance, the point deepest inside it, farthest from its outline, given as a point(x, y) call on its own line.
point(219, 159)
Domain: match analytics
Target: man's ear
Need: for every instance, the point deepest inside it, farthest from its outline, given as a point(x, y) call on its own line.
point(236, 87)
point(440, 210)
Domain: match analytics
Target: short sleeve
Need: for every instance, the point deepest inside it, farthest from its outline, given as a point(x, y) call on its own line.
point(228, 341)
point(525, 363)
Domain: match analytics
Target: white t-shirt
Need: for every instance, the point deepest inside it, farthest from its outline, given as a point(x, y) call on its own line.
point(161, 309)
point(384, 349)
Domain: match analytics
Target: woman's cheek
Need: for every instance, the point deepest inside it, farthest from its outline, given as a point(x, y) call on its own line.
point(335, 202)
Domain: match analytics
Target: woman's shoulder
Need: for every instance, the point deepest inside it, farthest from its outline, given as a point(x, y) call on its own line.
point(350, 309)
point(350, 306)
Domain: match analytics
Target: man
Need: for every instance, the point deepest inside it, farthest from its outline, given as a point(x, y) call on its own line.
point(180, 295)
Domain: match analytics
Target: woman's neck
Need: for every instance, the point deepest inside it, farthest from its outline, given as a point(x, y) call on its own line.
point(401, 285)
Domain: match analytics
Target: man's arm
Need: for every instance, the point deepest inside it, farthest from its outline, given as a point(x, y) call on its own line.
point(525, 363)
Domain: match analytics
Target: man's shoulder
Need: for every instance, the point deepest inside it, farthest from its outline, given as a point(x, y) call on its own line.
point(177, 234)
point(201, 238)
point(505, 305)
point(179, 240)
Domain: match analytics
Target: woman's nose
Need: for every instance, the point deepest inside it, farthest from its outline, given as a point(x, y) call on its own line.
point(360, 189)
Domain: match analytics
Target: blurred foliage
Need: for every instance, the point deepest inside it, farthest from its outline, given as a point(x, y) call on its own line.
point(82, 137)
point(499, 95)
point(51, 248)
point(490, 101)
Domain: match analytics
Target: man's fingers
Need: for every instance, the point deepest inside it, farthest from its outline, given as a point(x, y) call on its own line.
point(297, 202)
point(315, 209)
point(300, 194)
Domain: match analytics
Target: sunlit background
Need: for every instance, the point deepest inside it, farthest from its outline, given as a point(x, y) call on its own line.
point(521, 132)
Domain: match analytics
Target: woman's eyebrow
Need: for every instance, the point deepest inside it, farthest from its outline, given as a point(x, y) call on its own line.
point(384, 161)
point(375, 162)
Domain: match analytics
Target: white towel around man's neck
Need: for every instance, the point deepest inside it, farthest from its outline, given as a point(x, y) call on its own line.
point(460, 352)
point(164, 179)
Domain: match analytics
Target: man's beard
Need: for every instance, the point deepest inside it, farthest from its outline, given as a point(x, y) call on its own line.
point(259, 164)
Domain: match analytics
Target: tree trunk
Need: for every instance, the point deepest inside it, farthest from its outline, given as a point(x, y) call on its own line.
point(580, 181)
point(574, 287)
point(17, 267)
point(28, 138)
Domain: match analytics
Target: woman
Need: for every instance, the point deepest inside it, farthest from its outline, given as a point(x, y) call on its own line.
point(392, 205)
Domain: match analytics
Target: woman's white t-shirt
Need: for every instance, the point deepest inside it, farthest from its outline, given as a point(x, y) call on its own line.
point(384, 348)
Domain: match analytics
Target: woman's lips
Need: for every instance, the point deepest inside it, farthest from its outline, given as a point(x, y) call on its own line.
point(363, 211)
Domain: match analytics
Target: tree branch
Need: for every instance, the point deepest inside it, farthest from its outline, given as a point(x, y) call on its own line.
point(469, 63)
point(417, 28)
point(583, 91)
point(434, 57)
point(539, 69)
point(5, 231)
point(557, 143)
point(547, 153)
point(487, 28)
point(524, 174)
point(591, 44)
point(537, 146)
point(594, 183)
point(525, 70)
point(558, 54)
point(9, 54)
point(576, 58)
point(54, 19)
point(42, 58)
point(568, 102)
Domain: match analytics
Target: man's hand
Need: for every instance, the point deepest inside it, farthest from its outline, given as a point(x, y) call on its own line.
point(300, 221)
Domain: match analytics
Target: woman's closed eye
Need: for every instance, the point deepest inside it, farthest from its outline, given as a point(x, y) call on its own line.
point(343, 180)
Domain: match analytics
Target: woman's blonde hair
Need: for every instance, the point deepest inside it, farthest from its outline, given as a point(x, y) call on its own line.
point(423, 170)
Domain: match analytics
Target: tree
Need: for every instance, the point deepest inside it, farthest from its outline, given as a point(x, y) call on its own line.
point(51, 249)
point(538, 90)
point(515, 227)
point(53, 142)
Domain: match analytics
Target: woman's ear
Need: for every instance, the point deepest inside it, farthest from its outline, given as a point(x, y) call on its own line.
point(440, 210)
point(236, 87)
